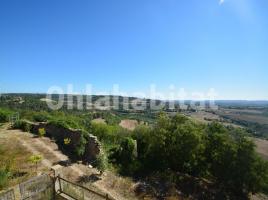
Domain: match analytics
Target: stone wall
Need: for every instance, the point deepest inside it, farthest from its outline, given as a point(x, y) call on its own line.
point(92, 147)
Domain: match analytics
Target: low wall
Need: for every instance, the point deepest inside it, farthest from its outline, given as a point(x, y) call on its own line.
point(39, 187)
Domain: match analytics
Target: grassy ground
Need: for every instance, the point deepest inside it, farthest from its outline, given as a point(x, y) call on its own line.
point(14, 156)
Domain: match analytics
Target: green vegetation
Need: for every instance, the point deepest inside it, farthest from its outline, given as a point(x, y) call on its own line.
point(5, 172)
point(101, 162)
point(108, 134)
point(4, 176)
point(41, 117)
point(6, 165)
point(67, 141)
point(124, 156)
point(80, 149)
point(222, 155)
point(4, 115)
point(23, 125)
point(41, 132)
point(35, 159)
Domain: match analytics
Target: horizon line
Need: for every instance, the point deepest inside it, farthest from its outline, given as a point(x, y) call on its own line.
point(41, 93)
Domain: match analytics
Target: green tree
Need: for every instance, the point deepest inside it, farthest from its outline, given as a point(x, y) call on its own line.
point(233, 162)
point(124, 156)
point(101, 162)
point(175, 144)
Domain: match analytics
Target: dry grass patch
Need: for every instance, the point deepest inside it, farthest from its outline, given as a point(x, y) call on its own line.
point(120, 185)
point(129, 124)
point(262, 147)
point(99, 121)
point(15, 157)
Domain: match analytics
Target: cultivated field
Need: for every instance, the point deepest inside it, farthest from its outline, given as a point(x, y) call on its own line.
point(262, 147)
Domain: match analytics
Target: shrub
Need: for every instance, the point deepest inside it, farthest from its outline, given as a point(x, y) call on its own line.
point(65, 123)
point(35, 159)
point(124, 155)
point(81, 147)
point(4, 176)
point(59, 123)
point(23, 125)
point(101, 162)
point(4, 116)
point(41, 117)
point(67, 141)
point(109, 134)
point(6, 167)
point(41, 132)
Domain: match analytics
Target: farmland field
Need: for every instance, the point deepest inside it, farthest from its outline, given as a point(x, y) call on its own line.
point(262, 147)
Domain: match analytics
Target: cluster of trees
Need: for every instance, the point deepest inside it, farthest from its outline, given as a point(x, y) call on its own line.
point(223, 155)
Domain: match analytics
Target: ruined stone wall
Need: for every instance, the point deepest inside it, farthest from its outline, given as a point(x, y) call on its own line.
point(92, 147)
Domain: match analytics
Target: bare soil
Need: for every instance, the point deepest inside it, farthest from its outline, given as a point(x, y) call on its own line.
point(129, 124)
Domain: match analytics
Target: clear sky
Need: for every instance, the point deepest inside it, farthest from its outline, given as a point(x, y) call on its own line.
point(192, 44)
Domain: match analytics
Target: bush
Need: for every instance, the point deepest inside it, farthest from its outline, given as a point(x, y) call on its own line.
point(5, 170)
point(23, 125)
point(65, 123)
point(174, 143)
point(59, 123)
point(101, 162)
point(80, 149)
point(41, 117)
point(109, 134)
point(35, 159)
point(67, 141)
point(4, 116)
point(124, 155)
point(41, 132)
point(4, 177)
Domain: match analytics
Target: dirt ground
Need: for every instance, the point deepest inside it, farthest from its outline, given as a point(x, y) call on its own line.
point(129, 124)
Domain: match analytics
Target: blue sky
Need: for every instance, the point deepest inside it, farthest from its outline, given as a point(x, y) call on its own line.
point(192, 44)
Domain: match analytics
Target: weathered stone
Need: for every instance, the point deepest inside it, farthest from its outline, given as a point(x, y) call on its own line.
point(92, 147)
